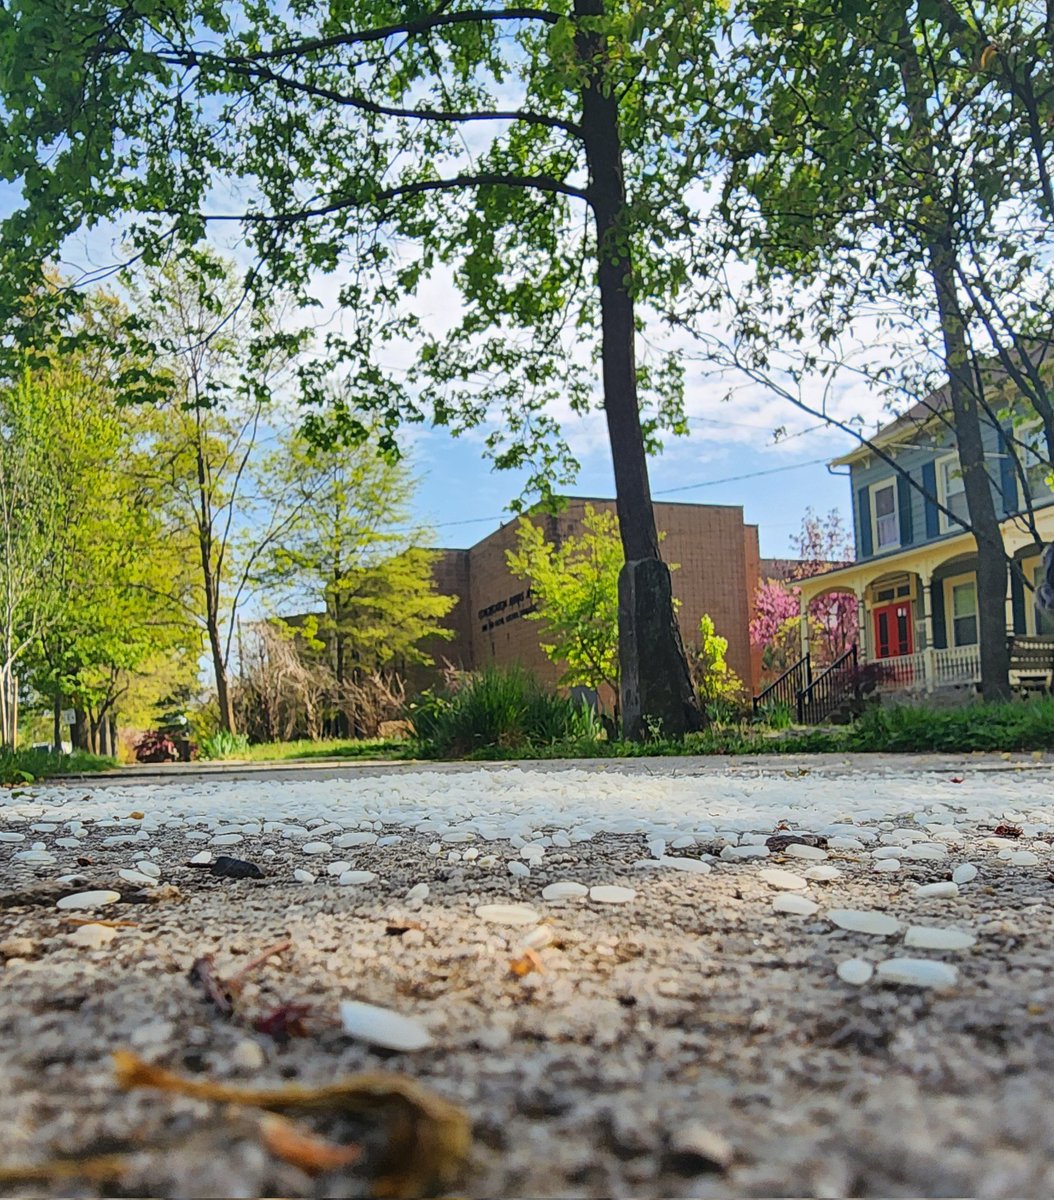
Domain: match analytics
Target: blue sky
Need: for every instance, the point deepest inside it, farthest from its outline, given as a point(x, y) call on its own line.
point(463, 499)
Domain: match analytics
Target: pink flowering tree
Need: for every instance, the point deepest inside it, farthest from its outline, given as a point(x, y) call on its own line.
point(823, 545)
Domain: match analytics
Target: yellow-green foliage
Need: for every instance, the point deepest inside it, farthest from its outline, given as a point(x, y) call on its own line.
point(575, 588)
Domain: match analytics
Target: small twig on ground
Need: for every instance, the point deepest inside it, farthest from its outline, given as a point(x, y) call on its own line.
point(236, 980)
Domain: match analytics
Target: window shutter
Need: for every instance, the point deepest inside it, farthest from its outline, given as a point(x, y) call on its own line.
point(1007, 476)
point(863, 508)
point(1017, 602)
point(904, 490)
point(929, 484)
point(940, 632)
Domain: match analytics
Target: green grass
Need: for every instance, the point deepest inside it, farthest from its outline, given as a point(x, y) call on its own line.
point(1016, 726)
point(364, 748)
point(25, 766)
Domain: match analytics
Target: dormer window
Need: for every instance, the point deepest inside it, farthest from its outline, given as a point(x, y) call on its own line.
point(886, 515)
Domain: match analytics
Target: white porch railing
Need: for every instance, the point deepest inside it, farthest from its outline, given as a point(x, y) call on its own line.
point(903, 671)
point(957, 664)
point(928, 669)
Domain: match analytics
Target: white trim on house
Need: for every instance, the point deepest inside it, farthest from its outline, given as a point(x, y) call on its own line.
point(946, 524)
point(878, 546)
point(950, 584)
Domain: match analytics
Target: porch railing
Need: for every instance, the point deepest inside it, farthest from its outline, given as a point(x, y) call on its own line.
point(902, 671)
point(787, 688)
point(957, 664)
point(830, 689)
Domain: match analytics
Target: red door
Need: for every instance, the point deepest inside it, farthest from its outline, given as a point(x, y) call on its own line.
point(893, 633)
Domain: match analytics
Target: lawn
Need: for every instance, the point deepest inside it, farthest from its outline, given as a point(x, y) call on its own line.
point(364, 748)
point(26, 765)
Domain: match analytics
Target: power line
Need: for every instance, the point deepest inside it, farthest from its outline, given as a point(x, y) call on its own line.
point(688, 487)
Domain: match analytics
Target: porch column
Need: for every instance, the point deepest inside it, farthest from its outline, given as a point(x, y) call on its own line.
point(929, 655)
point(1010, 602)
point(803, 610)
point(861, 622)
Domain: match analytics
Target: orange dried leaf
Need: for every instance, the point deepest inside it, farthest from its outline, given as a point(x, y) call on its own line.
point(136, 816)
point(429, 1138)
point(287, 1141)
point(525, 964)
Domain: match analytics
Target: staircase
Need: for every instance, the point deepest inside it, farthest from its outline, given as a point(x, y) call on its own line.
point(814, 700)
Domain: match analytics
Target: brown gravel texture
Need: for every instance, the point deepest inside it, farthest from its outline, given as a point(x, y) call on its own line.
point(691, 1043)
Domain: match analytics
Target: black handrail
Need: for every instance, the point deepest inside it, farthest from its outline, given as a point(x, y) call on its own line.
point(788, 687)
point(829, 689)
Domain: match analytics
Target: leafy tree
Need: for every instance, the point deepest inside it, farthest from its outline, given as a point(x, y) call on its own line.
point(202, 438)
point(344, 545)
point(328, 132)
point(31, 528)
point(111, 576)
point(883, 165)
point(574, 585)
point(719, 686)
point(822, 544)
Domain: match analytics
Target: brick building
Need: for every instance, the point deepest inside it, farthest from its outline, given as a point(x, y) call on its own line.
point(718, 570)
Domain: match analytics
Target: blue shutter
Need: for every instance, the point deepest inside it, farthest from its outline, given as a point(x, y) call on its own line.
point(1017, 601)
point(1007, 476)
point(929, 484)
point(863, 526)
point(904, 490)
point(940, 632)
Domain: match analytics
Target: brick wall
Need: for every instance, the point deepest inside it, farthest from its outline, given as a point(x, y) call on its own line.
point(717, 563)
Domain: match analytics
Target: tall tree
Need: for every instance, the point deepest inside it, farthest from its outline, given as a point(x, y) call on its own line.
point(345, 545)
point(358, 129)
point(32, 527)
point(864, 173)
point(202, 439)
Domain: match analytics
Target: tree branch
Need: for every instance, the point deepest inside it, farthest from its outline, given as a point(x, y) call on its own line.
point(250, 71)
point(542, 183)
point(409, 28)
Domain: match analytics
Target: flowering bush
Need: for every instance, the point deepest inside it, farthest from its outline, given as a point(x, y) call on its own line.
point(156, 747)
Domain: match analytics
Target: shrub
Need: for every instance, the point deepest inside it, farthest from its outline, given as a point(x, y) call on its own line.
point(498, 710)
point(155, 747)
point(720, 689)
point(223, 744)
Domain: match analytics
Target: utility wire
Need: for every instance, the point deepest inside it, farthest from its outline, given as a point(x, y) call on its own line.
point(687, 487)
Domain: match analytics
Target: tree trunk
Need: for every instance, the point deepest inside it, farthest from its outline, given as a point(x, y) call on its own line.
point(656, 686)
point(56, 723)
point(941, 262)
point(219, 667)
point(991, 554)
point(339, 671)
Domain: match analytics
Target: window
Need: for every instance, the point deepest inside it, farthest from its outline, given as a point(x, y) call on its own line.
point(951, 492)
point(961, 607)
point(886, 517)
point(1034, 464)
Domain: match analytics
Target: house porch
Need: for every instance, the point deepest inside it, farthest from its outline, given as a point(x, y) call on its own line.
point(917, 610)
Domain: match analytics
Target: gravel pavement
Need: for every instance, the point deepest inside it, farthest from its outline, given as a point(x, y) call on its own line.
point(696, 1038)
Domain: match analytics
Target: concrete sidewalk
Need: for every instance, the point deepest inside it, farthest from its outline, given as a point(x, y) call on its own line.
point(335, 768)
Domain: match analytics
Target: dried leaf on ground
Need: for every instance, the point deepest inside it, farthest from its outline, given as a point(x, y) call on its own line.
point(1006, 830)
point(284, 1022)
point(99, 1168)
point(428, 1137)
point(292, 1144)
point(527, 962)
